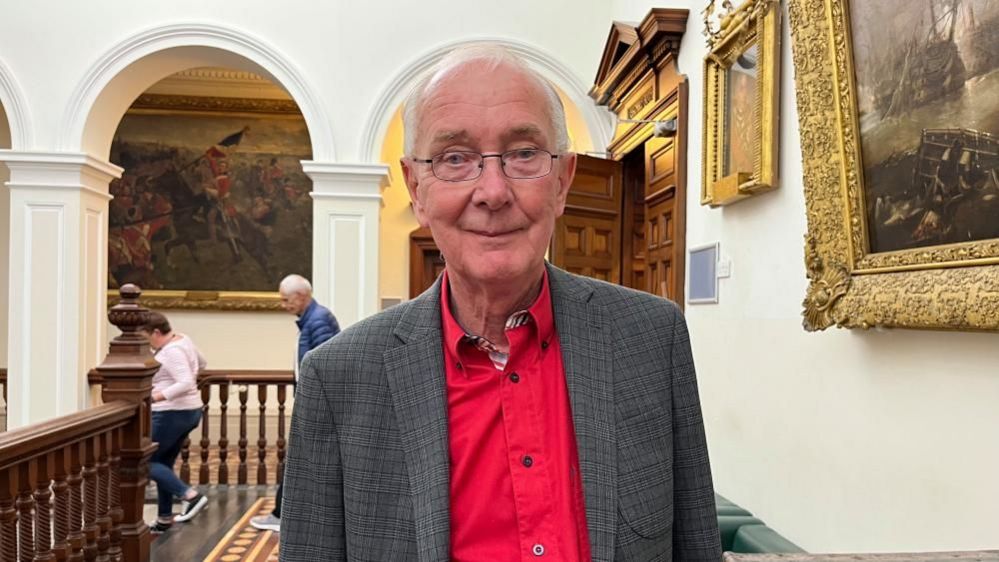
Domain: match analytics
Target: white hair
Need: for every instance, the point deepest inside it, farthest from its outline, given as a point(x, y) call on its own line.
point(493, 56)
point(295, 283)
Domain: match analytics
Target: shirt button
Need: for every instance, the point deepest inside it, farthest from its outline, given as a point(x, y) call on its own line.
point(538, 549)
point(527, 461)
point(514, 378)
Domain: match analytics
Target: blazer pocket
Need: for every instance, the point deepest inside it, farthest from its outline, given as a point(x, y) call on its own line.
point(645, 473)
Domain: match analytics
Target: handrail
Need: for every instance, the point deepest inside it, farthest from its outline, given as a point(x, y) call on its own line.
point(215, 376)
point(37, 440)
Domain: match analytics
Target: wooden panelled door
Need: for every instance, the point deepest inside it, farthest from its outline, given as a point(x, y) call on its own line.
point(664, 252)
point(587, 238)
point(621, 222)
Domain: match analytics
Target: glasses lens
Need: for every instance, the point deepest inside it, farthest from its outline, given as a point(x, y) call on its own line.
point(527, 163)
point(457, 166)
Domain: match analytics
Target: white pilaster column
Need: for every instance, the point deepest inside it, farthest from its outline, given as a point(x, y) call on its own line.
point(58, 280)
point(346, 206)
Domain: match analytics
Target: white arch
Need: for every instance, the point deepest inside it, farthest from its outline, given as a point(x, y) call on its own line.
point(18, 116)
point(599, 122)
point(115, 80)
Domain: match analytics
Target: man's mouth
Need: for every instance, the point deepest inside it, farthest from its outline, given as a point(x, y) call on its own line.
point(494, 233)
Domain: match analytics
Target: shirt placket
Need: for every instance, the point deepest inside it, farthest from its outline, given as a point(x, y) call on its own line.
point(528, 463)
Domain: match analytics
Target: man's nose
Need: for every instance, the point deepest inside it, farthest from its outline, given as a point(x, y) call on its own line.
point(492, 188)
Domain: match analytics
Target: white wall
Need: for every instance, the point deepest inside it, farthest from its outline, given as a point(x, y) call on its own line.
point(840, 440)
point(240, 340)
point(4, 237)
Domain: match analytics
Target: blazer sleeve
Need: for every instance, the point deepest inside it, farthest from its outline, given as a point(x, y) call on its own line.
point(695, 524)
point(312, 512)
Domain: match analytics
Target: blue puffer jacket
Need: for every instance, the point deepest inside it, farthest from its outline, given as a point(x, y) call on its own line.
point(316, 325)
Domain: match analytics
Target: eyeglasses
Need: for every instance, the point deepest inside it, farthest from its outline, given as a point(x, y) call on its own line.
point(520, 164)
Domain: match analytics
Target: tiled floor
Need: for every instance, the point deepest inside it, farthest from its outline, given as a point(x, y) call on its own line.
point(194, 540)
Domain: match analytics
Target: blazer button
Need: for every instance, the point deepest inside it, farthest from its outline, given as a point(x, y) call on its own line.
point(514, 378)
point(527, 461)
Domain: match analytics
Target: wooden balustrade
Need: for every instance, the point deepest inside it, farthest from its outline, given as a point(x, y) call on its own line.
point(224, 381)
point(72, 488)
point(212, 462)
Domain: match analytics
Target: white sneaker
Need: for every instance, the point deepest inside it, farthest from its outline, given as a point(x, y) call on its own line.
point(193, 507)
point(266, 523)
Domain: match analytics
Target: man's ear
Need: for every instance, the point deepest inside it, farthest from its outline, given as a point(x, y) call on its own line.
point(566, 172)
point(411, 176)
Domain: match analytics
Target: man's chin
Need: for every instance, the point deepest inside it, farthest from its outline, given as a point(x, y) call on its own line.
point(493, 269)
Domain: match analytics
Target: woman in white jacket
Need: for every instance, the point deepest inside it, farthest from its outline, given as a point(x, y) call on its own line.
point(176, 411)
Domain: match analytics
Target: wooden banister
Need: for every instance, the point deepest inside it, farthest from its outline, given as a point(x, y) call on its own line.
point(37, 440)
point(72, 488)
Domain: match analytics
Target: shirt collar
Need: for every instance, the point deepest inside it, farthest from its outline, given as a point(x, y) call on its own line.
point(540, 312)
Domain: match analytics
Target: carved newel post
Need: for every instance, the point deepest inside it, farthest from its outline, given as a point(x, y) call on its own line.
point(127, 374)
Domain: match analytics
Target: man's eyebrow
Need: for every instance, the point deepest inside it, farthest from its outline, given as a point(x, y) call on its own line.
point(450, 136)
point(527, 130)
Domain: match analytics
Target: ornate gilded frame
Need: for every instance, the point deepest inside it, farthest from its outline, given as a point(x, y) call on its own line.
point(252, 301)
point(952, 287)
point(754, 22)
point(199, 299)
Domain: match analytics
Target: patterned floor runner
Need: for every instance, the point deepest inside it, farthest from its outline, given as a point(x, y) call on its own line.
point(243, 543)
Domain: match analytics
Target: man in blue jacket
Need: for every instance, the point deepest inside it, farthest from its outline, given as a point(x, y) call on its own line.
point(316, 324)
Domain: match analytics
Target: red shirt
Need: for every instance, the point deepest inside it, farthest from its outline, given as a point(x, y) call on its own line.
point(516, 493)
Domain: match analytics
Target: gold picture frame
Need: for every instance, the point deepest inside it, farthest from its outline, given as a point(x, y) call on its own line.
point(952, 286)
point(742, 104)
point(173, 233)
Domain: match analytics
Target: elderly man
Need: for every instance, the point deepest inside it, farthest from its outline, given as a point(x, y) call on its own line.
point(316, 325)
point(513, 411)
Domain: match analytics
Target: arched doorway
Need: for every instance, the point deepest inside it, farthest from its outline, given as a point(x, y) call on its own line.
point(212, 208)
point(62, 197)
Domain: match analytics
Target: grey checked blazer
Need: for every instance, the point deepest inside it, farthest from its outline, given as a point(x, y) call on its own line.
point(367, 472)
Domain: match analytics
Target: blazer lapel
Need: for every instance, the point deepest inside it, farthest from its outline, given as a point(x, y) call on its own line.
point(586, 355)
point(415, 373)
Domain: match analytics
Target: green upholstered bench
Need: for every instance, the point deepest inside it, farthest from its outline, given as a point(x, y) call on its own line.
point(729, 525)
point(743, 533)
point(760, 538)
point(724, 506)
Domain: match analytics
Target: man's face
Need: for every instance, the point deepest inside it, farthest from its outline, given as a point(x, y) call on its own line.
point(294, 303)
point(493, 228)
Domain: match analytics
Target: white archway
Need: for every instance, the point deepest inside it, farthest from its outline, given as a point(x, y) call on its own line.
point(599, 122)
point(129, 68)
point(18, 117)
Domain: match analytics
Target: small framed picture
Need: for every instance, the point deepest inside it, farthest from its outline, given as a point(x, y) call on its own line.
point(702, 282)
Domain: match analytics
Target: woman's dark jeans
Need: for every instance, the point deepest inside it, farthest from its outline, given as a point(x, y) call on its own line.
point(170, 428)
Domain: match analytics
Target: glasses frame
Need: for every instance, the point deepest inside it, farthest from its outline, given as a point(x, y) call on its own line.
point(482, 163)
